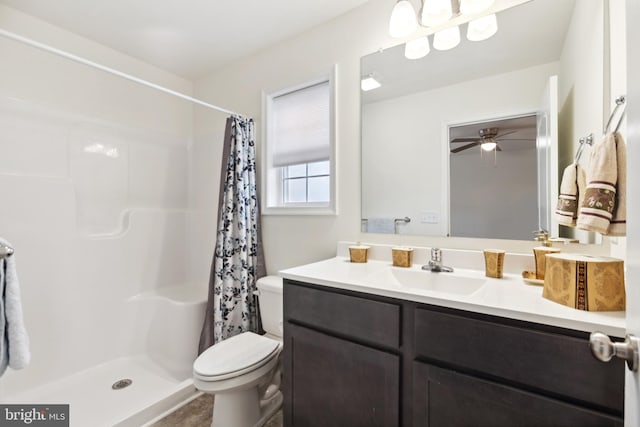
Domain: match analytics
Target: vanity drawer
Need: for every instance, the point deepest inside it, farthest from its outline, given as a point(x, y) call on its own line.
point(368, 320)
point(542, 359)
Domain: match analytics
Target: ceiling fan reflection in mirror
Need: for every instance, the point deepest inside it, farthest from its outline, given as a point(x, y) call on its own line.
point(488, 139)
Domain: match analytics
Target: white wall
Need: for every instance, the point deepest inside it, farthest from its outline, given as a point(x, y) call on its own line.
point(408, 135)
point(581, 90)
point(293, 240)
point(93, 175)
point(581, 87)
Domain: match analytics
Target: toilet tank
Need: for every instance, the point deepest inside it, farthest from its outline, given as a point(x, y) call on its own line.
point(270, 297)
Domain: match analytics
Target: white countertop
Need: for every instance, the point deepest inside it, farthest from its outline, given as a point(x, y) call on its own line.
point(508, 297)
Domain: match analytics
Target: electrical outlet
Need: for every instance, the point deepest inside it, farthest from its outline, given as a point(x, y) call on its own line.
point(430, 217)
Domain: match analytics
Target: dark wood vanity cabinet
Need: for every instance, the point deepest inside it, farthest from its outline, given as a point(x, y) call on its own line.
point(353, 359)
point(341, 360)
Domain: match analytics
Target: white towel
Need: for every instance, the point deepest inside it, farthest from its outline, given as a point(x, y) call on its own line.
point(14, 341)
point(381, 225)
point(605, 177)
point(571, 194)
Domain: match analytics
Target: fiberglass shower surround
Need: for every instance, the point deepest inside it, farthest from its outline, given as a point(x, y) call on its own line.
point(94, 182)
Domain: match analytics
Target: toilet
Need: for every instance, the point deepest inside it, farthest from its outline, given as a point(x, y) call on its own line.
point(243, 372)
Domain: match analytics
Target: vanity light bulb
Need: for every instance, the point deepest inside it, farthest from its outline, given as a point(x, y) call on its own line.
point(482, 28)
point(447, 38)
point(471, 7)
point(417, 48)
point(403, 20)
point(435, 12)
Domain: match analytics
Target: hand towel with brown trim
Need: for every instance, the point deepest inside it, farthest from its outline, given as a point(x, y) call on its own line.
point(599, 204)
point(618, 225)
point(571, 194)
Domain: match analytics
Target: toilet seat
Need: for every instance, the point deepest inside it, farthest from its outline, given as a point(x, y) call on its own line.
point(235, 356)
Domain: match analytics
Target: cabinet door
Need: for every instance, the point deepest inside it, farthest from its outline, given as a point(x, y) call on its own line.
point(522, 355)
point(447, 398)
point(333, 382)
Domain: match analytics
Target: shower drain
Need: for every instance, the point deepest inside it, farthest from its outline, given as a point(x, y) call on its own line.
point(120, 384)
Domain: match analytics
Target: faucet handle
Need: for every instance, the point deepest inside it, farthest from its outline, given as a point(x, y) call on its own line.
point(436, 254)
point(542, 235)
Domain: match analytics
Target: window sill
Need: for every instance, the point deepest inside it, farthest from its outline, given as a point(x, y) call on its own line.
point(300, 210)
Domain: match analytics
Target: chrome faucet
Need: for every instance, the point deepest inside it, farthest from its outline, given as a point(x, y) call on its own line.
point(435, 263)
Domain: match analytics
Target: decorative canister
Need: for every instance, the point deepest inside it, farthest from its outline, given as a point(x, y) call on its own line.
point(402, 257)
point(494, 263)
point(585, 282)
point(358, 253)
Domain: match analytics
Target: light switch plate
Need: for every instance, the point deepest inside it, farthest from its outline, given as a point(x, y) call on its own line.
point(430, 217)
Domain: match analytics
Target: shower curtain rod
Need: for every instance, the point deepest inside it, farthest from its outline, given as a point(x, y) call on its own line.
point(113, 71)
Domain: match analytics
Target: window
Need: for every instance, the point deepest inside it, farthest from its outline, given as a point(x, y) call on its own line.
point(299, 160)
point(306, 183)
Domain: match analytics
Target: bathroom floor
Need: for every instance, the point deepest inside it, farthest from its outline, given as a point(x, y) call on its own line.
point(197, 413)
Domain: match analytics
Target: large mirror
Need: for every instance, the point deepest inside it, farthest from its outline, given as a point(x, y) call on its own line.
point(539, 82)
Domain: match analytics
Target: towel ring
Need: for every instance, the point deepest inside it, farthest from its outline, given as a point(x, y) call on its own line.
point(620, 104)
point(588, 140)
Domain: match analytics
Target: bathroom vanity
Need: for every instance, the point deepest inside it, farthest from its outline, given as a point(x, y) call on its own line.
point(364, 347)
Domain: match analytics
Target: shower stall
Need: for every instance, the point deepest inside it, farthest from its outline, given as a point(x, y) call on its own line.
point(112, 252)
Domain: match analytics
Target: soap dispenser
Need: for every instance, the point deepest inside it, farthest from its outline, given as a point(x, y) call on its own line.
point(541, 252)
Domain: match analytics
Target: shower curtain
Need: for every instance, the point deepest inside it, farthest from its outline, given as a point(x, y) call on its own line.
point(238, 260)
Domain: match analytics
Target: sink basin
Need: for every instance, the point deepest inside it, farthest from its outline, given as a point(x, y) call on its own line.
point(450, 283)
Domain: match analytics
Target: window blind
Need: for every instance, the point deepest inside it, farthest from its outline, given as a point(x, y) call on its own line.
point(301, 122)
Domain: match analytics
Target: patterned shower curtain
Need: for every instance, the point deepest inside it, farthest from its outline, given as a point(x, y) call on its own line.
point(238, 260)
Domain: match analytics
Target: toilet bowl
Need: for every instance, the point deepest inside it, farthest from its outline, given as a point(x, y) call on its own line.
point(243, 371)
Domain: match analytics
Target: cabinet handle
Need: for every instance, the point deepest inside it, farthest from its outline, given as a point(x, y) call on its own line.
point(604, 349)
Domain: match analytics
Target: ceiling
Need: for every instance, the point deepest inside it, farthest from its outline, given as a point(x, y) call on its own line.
point(189, 38)
point(522, 136)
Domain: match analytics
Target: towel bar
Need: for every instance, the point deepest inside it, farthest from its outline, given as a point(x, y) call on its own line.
point(397, 221)
point(5, 251)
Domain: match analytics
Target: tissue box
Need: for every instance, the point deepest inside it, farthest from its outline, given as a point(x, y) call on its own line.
point(402, 257)
point(585, 282)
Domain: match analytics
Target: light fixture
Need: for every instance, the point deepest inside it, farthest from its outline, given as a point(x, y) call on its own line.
point(482, 28)
point(435, 12)
point(369, 83)
point(417, 48)
point(403, 20)
point(489, 144)
point(472, 7)
point(446, 39)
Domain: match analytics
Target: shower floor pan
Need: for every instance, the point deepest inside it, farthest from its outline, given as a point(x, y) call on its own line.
point(93, 402)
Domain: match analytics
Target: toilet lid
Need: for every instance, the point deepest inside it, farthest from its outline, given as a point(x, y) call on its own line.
point(235, 356)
